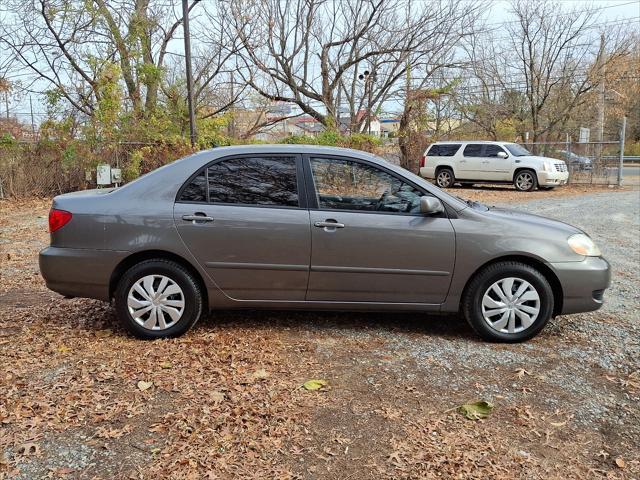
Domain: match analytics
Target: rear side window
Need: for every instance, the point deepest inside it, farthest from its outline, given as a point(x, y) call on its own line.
point(492, 150)
point(270, 181)
point(254, 181)
point(443, 150)
point(472, 150)
point(196, 191)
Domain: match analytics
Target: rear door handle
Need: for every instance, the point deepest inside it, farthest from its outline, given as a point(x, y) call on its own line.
point(197, 217)
point(328, 224)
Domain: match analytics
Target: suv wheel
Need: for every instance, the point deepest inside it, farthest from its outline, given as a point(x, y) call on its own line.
point(445, 178)
point(525, 180)
point(158, 298)
point(508, 302)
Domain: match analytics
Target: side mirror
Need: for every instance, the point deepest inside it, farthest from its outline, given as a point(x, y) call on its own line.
point(430, 205)
point(502, 155)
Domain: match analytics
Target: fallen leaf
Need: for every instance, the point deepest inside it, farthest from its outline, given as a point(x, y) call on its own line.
point(261, 374)
point(620, 462)
point(217, 397)
point(521, 372)
point(142, 385)
point(315, 385)
point(476, 410)
point(63, 348)
point(166, 365)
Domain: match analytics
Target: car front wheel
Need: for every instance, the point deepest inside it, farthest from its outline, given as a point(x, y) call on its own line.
point(525, 180)
point(508, 302)
point(445, 178)
point(158, 298)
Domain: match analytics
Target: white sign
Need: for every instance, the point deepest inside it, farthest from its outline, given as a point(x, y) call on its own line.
point(584, 135)
point(103, 175)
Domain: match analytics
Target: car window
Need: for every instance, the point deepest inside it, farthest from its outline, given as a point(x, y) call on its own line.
point(196, 191)
point(349, 185)
point(443, 150)
point(254, 181)
point(492, 150)
point(472, 150)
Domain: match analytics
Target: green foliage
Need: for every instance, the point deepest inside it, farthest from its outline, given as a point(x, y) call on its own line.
point(361, 141)
point(69, 156)
point(7, 140)
point(299, 140)
point(632, 149)
point(329, 138)
point(134, 167)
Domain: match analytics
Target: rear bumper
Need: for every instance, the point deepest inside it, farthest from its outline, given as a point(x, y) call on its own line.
point(79, 272)
point(428, 172)
point(583, 283)
point(549, 179)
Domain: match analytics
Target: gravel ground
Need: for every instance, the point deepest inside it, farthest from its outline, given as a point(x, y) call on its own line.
point(226, 400)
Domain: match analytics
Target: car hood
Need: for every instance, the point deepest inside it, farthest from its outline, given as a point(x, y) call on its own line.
point(520, 217)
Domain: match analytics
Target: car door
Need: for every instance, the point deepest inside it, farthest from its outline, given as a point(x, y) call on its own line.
point(493, 166)
point(470, 162)
point(369, 241)
point(245, 220)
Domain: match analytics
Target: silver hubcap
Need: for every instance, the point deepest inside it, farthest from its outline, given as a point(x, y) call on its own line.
point(510, 305)
point(156, 302)
point(444, 179)
point(524, 181)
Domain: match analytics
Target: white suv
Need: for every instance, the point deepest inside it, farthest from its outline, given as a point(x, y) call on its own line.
point(491, 162)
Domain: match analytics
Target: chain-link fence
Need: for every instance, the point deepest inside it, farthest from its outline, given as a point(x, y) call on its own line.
point(597, 163)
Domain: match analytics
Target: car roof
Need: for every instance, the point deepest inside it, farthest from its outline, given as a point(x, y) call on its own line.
point(445, 142)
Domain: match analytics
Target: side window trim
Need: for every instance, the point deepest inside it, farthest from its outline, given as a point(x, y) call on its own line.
point(300, 181)
point(312, 197)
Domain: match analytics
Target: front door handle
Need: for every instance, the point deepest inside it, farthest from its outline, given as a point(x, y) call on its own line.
point(197, 218)
point(329, 224)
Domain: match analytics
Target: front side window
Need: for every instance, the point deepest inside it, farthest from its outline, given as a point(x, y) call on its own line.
point(517, 150)
point(349, 185)
point(492, 150)
point(472, 150)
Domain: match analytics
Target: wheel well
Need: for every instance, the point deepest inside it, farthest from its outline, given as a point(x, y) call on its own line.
point(440, 167)
point(138, 257)
point(518, 170)
point(551, 277)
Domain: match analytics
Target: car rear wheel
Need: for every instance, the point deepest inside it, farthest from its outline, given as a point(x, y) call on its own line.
point(445, 178)
point(525, 180)
point(508, 302)
point(158, 298)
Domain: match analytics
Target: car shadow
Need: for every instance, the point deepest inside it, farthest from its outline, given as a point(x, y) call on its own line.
point(445, 326)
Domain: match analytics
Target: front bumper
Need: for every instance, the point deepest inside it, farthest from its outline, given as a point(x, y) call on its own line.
point(583, 283)
point(551, 179)
point(77, 272)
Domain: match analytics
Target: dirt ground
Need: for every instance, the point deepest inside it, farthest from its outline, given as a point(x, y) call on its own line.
point(82, 399)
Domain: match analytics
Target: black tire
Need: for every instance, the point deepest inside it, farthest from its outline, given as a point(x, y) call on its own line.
point(529, 185)
point(546, 188)
point(483, 280)
point(445, 178)
point(191, 291)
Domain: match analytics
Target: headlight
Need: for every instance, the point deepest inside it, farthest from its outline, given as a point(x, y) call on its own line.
point(583, 245)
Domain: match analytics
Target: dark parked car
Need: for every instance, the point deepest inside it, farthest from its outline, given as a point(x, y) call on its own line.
point(302, 227)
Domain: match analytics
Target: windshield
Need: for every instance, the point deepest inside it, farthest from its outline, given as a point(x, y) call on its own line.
point(517, 150)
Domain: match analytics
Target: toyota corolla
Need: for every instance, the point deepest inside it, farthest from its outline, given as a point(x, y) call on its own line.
point(305, 227)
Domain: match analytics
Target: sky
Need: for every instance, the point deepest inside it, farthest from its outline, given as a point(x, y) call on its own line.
point(611, 13)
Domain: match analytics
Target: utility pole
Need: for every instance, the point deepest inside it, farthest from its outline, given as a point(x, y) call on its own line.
point(33, 124)
point(187, 57)
point(601, 95)
point(623, 131)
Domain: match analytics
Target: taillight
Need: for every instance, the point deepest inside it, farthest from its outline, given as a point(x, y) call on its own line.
point(423, 161)
point(58, 219)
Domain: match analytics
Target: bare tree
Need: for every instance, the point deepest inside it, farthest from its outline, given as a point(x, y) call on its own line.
point(546, 58)
point(310, 52)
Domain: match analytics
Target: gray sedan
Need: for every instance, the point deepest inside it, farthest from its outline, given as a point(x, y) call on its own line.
point(305, 227)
